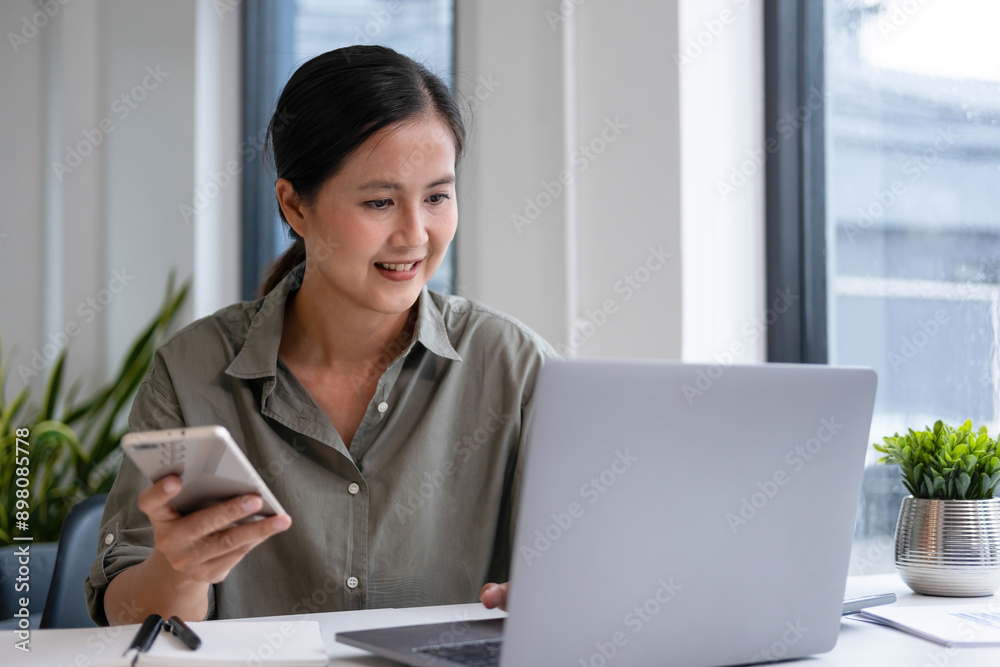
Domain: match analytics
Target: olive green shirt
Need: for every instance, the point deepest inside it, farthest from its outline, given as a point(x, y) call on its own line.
point(420, 510)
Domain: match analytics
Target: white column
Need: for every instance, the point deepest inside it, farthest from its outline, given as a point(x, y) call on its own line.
point(511, 233)
point(215, 204)
point(720, 60)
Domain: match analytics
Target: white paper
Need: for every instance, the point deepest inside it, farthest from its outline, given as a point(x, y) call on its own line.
point(293, 643)
point(961, 626)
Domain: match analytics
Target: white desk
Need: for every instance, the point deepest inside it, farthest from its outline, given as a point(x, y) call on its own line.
point(860, 643)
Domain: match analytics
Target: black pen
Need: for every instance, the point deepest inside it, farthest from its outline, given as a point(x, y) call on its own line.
point(144, 639)
point(183, 632)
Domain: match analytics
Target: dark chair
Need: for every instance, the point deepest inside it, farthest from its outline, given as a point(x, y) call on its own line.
point(42, 563)
point(66, 604)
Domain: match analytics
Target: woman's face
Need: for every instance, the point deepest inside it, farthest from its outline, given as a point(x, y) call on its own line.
point(379, 228)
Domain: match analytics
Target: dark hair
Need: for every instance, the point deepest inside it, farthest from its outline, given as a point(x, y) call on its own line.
point(331, 105)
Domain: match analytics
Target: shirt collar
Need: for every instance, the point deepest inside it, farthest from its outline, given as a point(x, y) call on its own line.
point(431, 330)
point(259, 355)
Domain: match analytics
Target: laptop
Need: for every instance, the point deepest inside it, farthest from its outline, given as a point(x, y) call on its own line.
point(670, 513)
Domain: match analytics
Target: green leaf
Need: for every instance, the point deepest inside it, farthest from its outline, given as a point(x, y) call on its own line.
point(52, 391)
point(962, 484)
point(993, 465)
point(927, 489)
point(75, 454)
point(990, 483)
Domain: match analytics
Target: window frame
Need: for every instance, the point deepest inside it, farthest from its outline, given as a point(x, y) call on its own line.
point(267, 47)
point(795, 180)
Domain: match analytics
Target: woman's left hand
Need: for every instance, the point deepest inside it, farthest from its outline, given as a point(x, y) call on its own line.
point(494, 595)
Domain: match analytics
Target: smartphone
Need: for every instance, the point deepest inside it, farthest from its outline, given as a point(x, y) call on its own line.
point(211, 466)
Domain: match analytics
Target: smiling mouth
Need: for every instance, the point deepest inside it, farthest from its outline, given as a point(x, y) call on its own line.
point(396, 267)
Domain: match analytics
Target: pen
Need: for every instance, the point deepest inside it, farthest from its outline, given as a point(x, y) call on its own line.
point(145, 637)
point(183, 632)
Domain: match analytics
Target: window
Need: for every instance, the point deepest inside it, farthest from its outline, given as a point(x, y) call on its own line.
point(279, 36)
point(896, 222)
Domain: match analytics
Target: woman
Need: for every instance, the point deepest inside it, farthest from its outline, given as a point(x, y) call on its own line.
point(388, 420)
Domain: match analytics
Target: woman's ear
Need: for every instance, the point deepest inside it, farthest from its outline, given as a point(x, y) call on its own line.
point(291, 206)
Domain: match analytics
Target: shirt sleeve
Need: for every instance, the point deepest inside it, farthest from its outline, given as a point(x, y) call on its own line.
point(126, 536)
point(505, 550)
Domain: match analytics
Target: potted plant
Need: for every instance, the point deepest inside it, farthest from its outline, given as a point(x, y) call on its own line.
point(948, 533)
point(73, 448)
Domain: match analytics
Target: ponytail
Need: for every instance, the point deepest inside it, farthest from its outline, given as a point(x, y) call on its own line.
point(291, 258)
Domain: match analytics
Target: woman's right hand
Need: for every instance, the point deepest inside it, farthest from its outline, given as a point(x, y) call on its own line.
point(205, 545)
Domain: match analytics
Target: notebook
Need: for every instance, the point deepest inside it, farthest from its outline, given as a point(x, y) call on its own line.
point(957, 626)
point(291, 643)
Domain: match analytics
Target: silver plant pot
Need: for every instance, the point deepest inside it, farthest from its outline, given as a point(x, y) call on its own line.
point(949, 547)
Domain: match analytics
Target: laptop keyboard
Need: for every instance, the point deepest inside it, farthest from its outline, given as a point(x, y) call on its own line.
point(485, 653)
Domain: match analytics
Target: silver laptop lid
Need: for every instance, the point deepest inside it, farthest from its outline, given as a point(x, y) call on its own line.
point(686, 514)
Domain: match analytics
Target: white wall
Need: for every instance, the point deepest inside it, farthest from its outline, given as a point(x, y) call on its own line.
point(516, 141)
point(577, 172)
point(119, 92)
point(22, 190)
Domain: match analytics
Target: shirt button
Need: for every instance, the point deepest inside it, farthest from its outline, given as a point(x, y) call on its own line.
point(108, 539)
point(353, 488)
point(383, 406)
point(352, 582)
